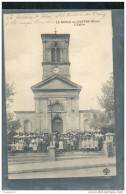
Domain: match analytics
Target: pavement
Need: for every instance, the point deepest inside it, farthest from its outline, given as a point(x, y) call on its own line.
point(85, 172)
point(66, 168)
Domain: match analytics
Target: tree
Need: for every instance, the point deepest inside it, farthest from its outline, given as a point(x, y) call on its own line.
point(104, 120)
point(11, 124)
point(106, 101)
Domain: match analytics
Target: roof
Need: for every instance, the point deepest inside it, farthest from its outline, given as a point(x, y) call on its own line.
point(56, 82)
point(85, 111)
point(24, 112)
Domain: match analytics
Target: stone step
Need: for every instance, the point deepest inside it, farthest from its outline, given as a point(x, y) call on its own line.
point(74, 157)
point(80, 154)
point(27, 154)
point(20, 158)
point(26, 162)
point(34, 158)
point(86, 155)
point(25, 157)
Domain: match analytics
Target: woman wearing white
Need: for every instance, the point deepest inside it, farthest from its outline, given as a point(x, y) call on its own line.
point(35, 147)
point(17, 146)
point(61, 145)
point(91, 144)
point(80, 144)
point(96, 144)
point(21, 145)
point(30, 146)
point(13, 147)
point(83, 144)
point(87, 144)
point(33, 140)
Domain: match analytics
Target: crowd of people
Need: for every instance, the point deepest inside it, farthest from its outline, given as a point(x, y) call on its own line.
point(62, 142)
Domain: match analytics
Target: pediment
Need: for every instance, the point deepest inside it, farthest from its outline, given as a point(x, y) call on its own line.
point(56, 83)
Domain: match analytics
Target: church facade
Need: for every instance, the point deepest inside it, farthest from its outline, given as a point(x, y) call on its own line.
point(56, 96)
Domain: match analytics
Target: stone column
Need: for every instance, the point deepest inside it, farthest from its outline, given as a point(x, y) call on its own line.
point(45, 114)
point(75, 109)
point(37, 114)
point(67, 51)
point(109, 144)
point(61, 55)
point(44, 51)
point(69, 119)
point(52, 156)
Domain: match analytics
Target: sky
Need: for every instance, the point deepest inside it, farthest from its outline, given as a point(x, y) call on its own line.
point(90, 52)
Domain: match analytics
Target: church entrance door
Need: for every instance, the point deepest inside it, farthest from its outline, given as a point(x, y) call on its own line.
point(57, 125)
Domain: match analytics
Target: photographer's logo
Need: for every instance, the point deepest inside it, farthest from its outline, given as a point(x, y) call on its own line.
point(106, 171)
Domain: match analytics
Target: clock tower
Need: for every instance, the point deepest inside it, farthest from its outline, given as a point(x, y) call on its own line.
point(55, 55)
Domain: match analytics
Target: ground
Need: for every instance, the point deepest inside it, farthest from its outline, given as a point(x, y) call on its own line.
point(36, 165)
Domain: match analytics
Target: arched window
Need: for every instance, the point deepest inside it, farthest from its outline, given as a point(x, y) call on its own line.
point(58, 54)
point(55, 55)
point(27, 126)
point(56, 107)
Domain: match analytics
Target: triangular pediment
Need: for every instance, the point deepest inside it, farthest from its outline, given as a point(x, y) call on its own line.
point(56, 83)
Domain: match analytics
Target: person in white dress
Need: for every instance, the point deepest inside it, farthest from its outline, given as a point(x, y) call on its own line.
point(54, 140)
point(80, 144)
point(83, 144)
point(96, 144)
point(13, 147)
point(91, 144)
point(87, 145)
point(61, 145)
point(33, 140)
point(30, 147)
point(35, 147)
point(21, 145)
point(17, 146)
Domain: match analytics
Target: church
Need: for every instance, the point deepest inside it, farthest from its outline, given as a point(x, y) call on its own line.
point(56, 96)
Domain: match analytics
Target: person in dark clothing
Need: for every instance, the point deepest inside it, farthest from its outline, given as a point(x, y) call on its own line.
point(39, 148)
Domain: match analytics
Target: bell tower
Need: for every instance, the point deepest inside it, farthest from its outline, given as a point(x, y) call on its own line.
point(55, 55)
point(56, 97)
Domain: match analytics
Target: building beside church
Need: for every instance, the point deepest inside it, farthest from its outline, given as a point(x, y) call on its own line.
point(56, 96)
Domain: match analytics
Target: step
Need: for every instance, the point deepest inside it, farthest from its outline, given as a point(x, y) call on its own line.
point(22, 160)
point(73, 158)
point(27, 154)
point(26, 162)
point(93, 155)
point(25, 157)
point(79, 154)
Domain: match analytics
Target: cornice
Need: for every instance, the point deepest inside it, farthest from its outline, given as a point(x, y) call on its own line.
point(59, 63)
point(54, 36)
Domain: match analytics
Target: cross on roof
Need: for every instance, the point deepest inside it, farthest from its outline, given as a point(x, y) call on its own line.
point(55, 31)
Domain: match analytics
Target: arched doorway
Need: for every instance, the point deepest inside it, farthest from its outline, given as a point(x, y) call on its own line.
point(57, 125)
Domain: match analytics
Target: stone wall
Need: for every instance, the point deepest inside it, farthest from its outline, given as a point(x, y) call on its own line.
point(64, 70)
point(41, 120)
point(84, 117)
